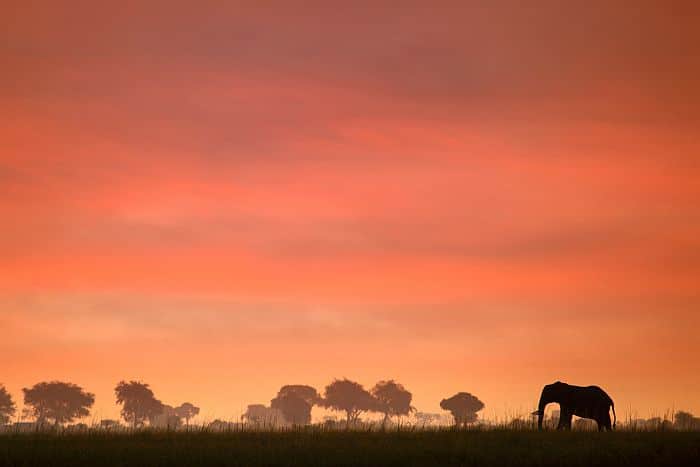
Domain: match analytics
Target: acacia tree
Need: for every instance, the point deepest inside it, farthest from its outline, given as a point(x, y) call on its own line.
point(349, 397)
point(187, 411)
point(295, 402)
point(58, 402)
point(138, 402)
point(463, 407)
point(393, 399)
point(7, 406)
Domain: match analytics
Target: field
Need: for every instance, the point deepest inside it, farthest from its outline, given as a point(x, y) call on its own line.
point(316, 447)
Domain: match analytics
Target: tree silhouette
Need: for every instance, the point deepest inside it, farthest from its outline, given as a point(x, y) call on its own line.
point(393, 399)
point(258, 414)
point(138, 402)
point(294, 409)
point(463, 407)
point(187, 411)
point(307, 393)
point(7, 406)
point(58, 402)
point(168, 417)
point(295, 402)
point(349, 397)
point(685, 421)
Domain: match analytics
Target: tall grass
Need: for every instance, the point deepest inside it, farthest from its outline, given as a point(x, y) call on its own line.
point(316, 446)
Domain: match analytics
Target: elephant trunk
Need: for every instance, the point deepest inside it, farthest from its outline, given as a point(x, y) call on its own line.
point(540, 410)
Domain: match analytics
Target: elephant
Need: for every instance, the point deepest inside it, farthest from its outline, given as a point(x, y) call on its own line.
point(583, 401)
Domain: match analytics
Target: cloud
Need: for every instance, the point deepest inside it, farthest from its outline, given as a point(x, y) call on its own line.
point(481, 60)
point(458, 176)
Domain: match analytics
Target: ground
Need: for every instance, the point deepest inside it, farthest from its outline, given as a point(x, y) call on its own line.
point(315, 447)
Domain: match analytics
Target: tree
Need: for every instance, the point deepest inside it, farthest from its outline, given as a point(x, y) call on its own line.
point(685, 421)
point(166, 418)
point(294, 409)
point(463, 407)
point(187, 411)
point(393, 399)
point(138, 402)
point(349, 397)
point(295, 402)
point(258, 414)
point(307, 393)
point(58, 402)
point(7, 406)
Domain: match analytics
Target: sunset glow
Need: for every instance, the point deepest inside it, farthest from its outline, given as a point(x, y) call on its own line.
point(220, 200)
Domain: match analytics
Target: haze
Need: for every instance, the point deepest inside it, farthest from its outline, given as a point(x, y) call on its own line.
point(220, 199)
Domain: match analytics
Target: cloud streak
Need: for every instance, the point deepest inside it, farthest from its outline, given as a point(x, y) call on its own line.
point(461, 183)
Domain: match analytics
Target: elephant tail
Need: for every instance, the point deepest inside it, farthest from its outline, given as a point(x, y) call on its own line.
point(612, 404)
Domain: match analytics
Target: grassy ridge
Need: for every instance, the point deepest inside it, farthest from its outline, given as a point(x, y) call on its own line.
point(319, 447)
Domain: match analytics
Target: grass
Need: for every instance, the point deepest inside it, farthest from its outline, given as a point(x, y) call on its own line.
point(317, 447)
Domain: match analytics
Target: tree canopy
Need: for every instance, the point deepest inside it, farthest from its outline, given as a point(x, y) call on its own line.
point(349, 397)
point(295, 402)
point(393, 399)
point(7, 406)
point(57, 402)
point(187, 411)
point(463, 407)
point(138, 402)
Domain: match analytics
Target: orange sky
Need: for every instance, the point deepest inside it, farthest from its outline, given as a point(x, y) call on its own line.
point(220, 200)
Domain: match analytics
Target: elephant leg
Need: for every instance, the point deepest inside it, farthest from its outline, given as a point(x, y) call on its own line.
point(569, 420)
point(560, 424)
point(605, 422)
point(565, 420)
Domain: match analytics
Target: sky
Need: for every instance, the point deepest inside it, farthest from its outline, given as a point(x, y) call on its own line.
point(220, 198)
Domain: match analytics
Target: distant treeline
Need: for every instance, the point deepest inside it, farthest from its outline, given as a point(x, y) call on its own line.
point(57, 403)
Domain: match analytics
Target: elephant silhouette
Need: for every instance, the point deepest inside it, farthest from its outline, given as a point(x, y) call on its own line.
point(583, 401)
